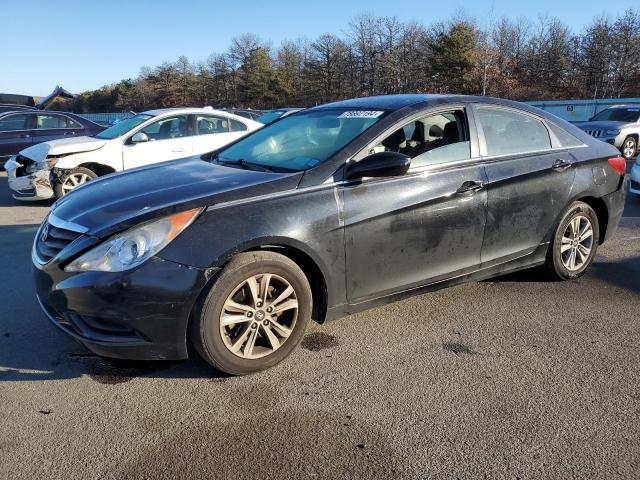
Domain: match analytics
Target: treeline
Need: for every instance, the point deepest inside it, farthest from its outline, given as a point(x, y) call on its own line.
point(519, 59)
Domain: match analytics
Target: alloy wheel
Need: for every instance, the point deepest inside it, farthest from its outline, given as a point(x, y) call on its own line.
point(74, 180)
point(259, 316)
point(577, 242)
point(629, 148)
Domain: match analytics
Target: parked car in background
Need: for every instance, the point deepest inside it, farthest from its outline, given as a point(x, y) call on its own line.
point(9, 107)
point(271, 116)
point(244, 112)
point(634, 187)
point(324, 213)
point(619, 126)
point(52, 169)
point(23, 128)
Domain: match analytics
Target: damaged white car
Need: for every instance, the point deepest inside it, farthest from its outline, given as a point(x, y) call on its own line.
point(52, 169)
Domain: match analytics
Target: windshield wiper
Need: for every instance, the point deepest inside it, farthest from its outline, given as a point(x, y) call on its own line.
point(245, 163)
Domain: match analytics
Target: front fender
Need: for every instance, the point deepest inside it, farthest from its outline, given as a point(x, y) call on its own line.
point(72, 161)
point(306, 222)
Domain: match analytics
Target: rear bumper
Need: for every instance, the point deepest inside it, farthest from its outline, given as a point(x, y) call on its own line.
point(615, 207)
point(635, 179)
point(138, 315)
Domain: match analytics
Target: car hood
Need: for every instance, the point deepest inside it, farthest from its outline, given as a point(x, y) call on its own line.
point(608, 125)
point(64, 146)
point(121, 200)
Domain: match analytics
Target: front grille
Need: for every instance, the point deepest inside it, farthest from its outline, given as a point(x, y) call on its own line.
point(635, 185)
point(52, 240)
point(595, 133)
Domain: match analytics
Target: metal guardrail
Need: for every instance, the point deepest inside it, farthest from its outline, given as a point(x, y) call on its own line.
point(106, 119)
point(581, 110)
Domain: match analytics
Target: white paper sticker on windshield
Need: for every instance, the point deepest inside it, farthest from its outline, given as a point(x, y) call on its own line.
point(361, 114)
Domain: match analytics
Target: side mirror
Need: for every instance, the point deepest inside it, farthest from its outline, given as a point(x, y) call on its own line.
point(140, 137)
point(383, 164)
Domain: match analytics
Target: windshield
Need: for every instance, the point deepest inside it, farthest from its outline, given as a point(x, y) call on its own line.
point(123, 127)
point(301, 141)
point(270, 117)
point(618, 115)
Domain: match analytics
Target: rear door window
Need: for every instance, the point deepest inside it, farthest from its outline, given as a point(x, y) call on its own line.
point(508, 132)
point(208, 124)
point(47, 121)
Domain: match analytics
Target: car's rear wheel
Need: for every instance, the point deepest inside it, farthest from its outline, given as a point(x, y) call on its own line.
point(73, 178)
point(254, 315)
point(629, 147)
point(574, 244)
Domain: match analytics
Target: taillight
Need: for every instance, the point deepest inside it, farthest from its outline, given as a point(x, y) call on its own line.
point(619, 164)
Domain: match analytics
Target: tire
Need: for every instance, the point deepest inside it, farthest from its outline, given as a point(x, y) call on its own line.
point(558, 263)
point(80, 174)
point(629, 148)
point(215, 340)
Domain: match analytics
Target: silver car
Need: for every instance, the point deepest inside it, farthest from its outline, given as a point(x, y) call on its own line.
point(619, 126)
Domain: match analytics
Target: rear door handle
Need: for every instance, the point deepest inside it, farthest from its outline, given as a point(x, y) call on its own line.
point(561, 164)
point(25, 135)
point(470, 187)
point(178, 149)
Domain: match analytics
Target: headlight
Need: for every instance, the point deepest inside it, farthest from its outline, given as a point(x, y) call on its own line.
point(46, 165)
point(129, 249)
point(613, 132)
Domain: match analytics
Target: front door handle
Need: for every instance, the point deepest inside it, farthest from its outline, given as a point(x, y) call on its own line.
point(25, 135)
point(561, 164)
point(470, 186)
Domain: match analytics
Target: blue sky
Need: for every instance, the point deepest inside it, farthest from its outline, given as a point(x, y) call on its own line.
point(82, 45)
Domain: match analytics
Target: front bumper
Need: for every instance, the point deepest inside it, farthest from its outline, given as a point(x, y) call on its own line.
point(34, 186)
point(142, 314)
point(635, 178)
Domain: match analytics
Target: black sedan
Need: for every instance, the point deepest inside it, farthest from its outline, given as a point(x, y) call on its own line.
point(23, 128)
point(319, 215)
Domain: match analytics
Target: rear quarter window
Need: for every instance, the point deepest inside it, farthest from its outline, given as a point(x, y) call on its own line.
point(237, 126)
point(565, 138)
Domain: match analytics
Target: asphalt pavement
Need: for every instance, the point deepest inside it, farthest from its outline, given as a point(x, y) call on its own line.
point(510, 378)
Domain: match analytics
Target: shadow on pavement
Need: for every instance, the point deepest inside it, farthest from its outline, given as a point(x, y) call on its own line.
point(620, 273)
point(31, 349)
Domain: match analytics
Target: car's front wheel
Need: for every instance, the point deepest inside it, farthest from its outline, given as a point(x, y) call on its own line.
point(254, 315)
point(73, 178)
point(574, 244)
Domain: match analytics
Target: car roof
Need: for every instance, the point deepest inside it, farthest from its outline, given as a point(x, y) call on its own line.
point(386, 102)
point(162, 111)
point(34, 110)
point(417, 100)
point(210, 111)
